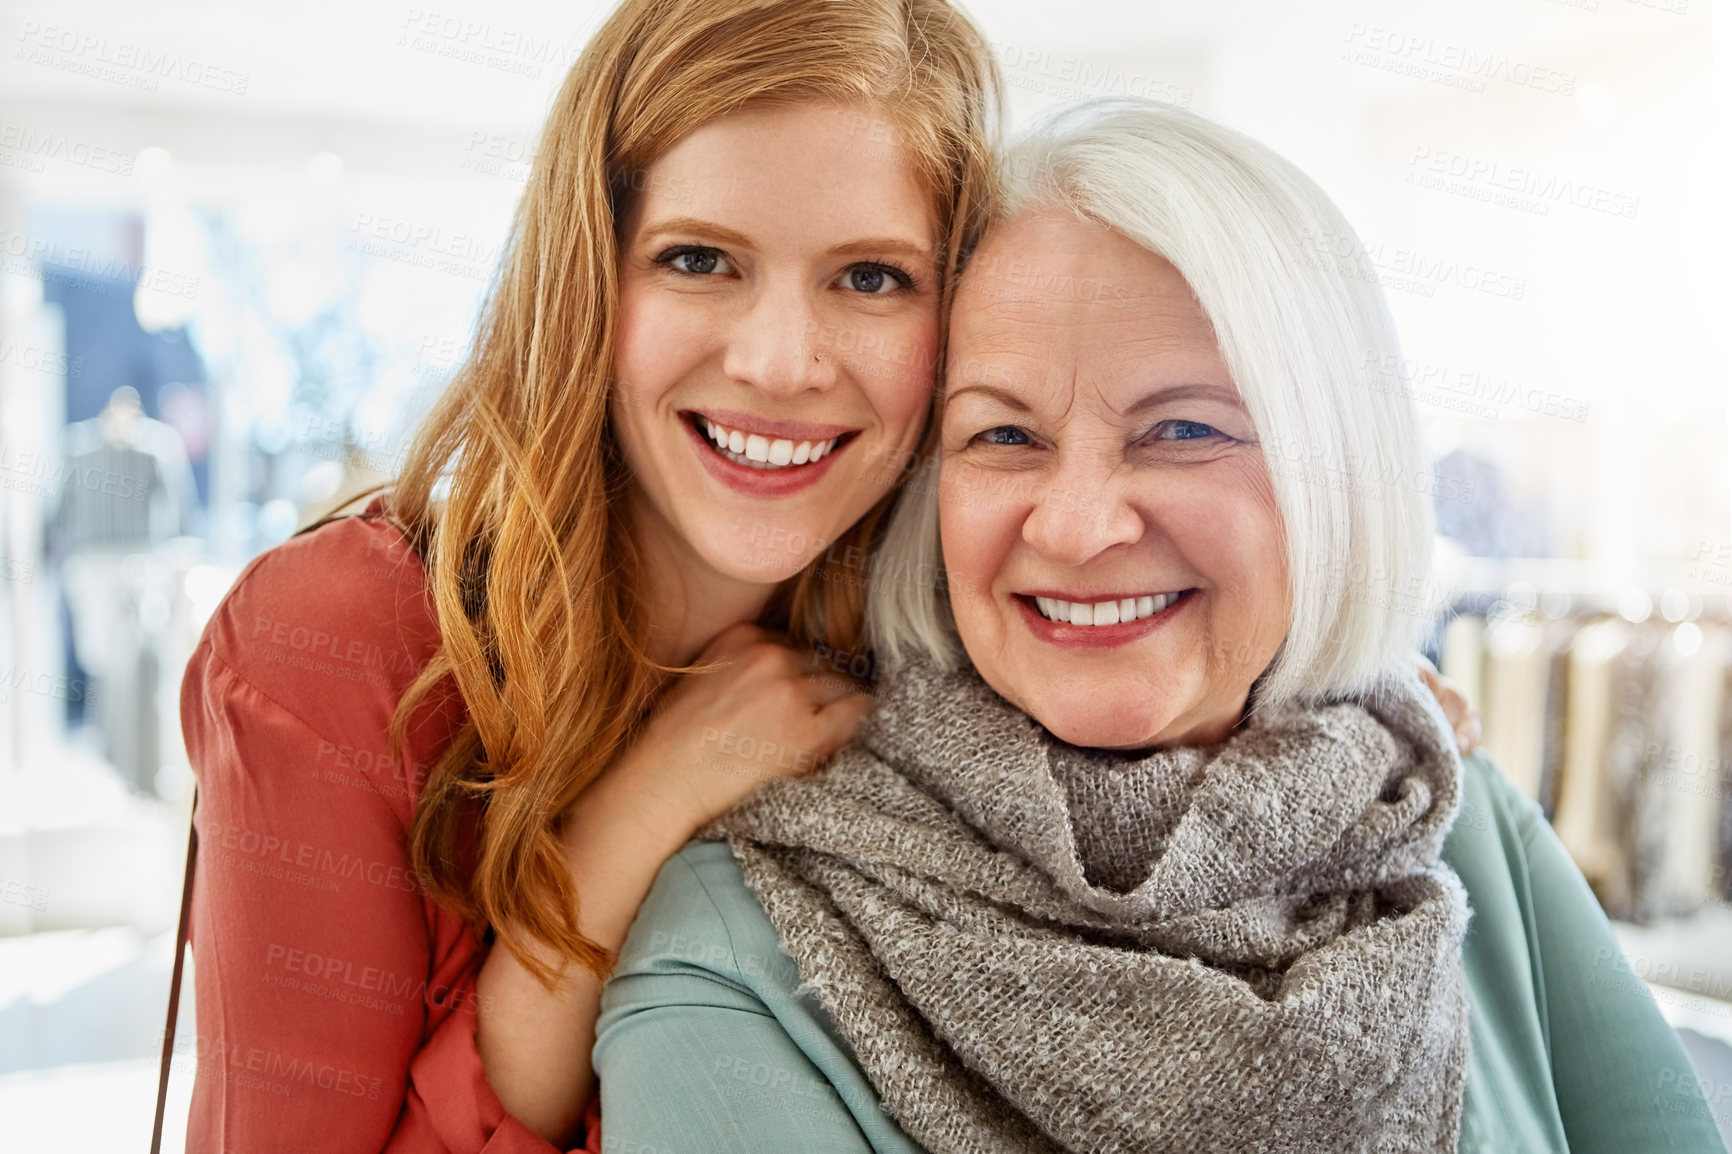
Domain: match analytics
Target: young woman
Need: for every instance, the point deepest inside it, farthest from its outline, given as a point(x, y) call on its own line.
point(708, 356)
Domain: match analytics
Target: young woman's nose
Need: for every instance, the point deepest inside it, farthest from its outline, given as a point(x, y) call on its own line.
point(774, 345)
point(1081, 509)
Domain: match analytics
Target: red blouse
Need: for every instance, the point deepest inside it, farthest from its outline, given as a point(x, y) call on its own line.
point(336, 1001)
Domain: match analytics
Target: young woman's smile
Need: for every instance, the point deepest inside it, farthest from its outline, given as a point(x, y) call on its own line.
point(765, 458)
point(778, 326)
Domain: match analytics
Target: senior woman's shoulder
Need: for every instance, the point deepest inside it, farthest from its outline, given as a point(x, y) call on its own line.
point(707, 1041)
point(1499, 836)
point(1568, 1050)
point(1491, 803)
point(701, 916)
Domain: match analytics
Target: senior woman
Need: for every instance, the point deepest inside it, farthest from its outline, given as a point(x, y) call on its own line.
point(1181, 857)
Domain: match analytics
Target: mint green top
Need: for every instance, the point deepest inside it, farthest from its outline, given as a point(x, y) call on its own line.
point(707, 1046)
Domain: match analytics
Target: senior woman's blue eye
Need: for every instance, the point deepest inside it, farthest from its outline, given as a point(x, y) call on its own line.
point(1005, 435)
point(1186, 431)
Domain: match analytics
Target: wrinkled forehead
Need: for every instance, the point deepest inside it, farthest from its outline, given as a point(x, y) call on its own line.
point(1056, 310)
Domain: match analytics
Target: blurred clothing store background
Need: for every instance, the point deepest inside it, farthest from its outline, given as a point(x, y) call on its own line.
point(242, 246)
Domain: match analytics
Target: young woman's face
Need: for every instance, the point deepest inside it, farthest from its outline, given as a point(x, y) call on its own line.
point(777, 329)
point(1114, 552)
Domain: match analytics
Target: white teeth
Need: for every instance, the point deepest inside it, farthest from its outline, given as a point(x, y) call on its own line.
point(1104, 612)
point(759, 451)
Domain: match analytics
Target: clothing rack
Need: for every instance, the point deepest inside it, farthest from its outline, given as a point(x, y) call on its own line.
point(1607, 703)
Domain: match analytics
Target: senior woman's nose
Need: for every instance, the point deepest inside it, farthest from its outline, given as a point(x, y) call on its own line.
point(1080, 512)
point(772, 345)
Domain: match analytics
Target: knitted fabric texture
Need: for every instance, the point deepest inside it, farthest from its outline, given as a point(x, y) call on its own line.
point(1035, 947)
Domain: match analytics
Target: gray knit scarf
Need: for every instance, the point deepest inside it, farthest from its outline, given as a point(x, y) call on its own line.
point(1035, 947)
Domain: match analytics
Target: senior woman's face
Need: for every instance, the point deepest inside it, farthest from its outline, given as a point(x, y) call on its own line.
point(1114, 551)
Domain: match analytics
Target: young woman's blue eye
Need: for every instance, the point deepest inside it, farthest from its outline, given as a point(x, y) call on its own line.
point(867, 279)
point(875, 279)
point(695, 262)
point(1187, 431)
point(1005, 435)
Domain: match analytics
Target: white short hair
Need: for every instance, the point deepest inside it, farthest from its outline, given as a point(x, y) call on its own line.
point(1304, 330)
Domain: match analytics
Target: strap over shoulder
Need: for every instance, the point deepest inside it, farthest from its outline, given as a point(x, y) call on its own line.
point(180, 936)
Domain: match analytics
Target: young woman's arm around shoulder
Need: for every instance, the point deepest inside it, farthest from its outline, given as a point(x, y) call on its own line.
point(696, 760)
point(340, 1007)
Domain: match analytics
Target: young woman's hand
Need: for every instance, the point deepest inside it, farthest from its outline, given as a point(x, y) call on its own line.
point(764, 711)
point(1463, 717)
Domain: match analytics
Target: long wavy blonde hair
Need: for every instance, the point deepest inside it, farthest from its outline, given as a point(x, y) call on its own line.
point(519, 517)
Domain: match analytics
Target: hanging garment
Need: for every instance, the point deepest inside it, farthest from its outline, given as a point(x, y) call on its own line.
point(1587, 818)
point(1723, 872)
point(1513, 706)
point(1642, 712)
point(1462, 659)
point(1676, 810)
point(1559, 635)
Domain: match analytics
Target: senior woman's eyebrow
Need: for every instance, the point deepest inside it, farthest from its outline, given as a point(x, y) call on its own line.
point(1009, 399)
point(1185, 392)
point(1179, 392)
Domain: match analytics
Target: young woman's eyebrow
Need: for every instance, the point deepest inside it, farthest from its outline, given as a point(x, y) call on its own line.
point(865, 246)
point(691, 225)
point(884, 246)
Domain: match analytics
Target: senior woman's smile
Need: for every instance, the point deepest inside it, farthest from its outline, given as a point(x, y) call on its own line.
point(1111, 535)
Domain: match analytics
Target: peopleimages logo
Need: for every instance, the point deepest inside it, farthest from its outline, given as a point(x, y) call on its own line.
point(1448, 62)
point(36, 359)
point(500, 47)
point(123, 62)
point(1522, 187)
point(1470, 391)
point(360, 658)
point(269, 1070)
point(34, 149)
point(39, 257)
point(305, 863)
point(1403, 268)
point(366, 985)
point(425, 245)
